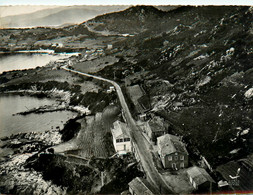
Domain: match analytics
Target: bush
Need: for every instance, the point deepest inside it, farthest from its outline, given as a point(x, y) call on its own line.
point(70, 130)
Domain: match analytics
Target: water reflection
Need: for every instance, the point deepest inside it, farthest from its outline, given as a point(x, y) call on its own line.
point(11, 104)
point(26, 61)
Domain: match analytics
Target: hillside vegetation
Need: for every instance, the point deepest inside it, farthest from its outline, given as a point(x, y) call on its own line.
point(199, 61)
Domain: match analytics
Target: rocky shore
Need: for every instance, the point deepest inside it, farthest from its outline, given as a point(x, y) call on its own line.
point(29, 166)
point(54, 108)
point(16, 149)
point(15, 179)
point(42, 109)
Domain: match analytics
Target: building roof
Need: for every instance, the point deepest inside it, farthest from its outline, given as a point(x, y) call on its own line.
point(135, 93)
point(248, 162)
point(199, 175)
point(169, 144)
point(120, 130)
point(142, 186)
point(157, 124)
point(245, 179)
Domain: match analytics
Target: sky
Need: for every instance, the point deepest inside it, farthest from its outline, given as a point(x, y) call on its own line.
point(126, 2)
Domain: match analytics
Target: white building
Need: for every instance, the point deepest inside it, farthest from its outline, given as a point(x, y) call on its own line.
point(109, 46)
point(199, 178)
point(111, 89)
point(141, 186)
point(121, 137)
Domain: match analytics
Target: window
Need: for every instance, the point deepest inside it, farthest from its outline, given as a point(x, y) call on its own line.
point(182, 165)
point(119, 140)
point(126, 139)
point(181, 157)
point(170, 158)
point(176, 157)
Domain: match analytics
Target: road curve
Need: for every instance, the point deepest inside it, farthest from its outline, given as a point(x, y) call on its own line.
point(144, 153)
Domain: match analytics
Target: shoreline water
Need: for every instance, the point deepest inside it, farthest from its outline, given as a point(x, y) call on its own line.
point(43, 51)
point(21, 61)
point(28, 113)
point(40, 51)
point(31, 59)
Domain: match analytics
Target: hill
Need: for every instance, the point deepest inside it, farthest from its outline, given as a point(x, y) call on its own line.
point(132, 20)
point(196, 64)
point(8, 10)
point(57, 16)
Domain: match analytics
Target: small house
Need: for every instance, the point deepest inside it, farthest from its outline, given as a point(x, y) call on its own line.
point(139, 98)
point(109, 46)
point(238, 173)
point(200, 179)
point(111, 89)
point(156, 127)
point(142, 117)
point(121, 137)
point(141, 186)
point(172, 152)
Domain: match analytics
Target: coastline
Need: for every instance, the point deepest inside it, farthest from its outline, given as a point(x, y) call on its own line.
point(39, 51)
point(21, 148)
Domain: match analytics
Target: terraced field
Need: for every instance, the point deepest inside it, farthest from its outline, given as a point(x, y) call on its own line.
point(94, 138)
point(92, 66)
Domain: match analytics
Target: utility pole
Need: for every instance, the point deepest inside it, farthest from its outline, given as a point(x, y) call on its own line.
point(102, 178)
point(114, 77)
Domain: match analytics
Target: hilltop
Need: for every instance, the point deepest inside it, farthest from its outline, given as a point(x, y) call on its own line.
point(132, 20)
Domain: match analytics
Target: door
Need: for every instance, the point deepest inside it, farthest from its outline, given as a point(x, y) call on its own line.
point(174, 166)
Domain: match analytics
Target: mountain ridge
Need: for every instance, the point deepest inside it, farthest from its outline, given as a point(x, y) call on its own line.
point(132, 20)
point(50, 17)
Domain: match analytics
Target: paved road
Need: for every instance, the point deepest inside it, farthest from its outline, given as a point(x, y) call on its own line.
point(145, 155)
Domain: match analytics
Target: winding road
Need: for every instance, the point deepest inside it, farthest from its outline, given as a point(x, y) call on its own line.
point(142, 145)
